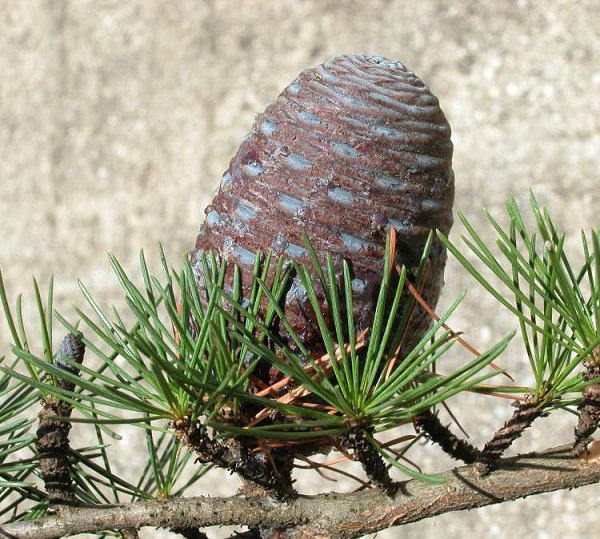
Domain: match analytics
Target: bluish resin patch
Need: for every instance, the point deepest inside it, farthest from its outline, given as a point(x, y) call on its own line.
point(226, 181)
point(298, 162)
point(295, 251)
point(358, 285)
point(290, 204)
point(309, 118)
point(352, 243)
point(267, 127)
point(294, 88)
point(340, 195)
point(254, 169)
point(345, 150)
point(245, 212)
point(389, 182)
point(243, 255)
point(213, 219)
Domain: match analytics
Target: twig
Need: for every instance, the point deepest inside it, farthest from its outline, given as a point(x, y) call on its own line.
point(52, 442)
point(589, 411)
point(454, 446)
point(523, 417)
point(270, 471)
point(337, 516)
point(372, 462)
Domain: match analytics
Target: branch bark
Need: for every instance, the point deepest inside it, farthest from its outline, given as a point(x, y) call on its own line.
point(336, 516)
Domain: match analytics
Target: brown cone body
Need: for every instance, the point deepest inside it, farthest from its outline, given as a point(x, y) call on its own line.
point(351, 148)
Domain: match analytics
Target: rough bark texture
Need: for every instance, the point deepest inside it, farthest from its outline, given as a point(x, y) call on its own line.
point(271, 474)
point(440, 434)
point(372, 463)
point(52, 443)
point(335, 516)
point(53, 452)
point(589, 411)
point(525, 414)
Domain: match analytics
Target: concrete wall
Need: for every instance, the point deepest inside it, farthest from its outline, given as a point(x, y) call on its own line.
point(118, 118)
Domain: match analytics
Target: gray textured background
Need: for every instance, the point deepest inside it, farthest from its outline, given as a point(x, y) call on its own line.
point(118, 118)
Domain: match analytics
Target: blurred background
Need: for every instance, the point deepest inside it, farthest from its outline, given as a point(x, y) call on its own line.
point(117, 120)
